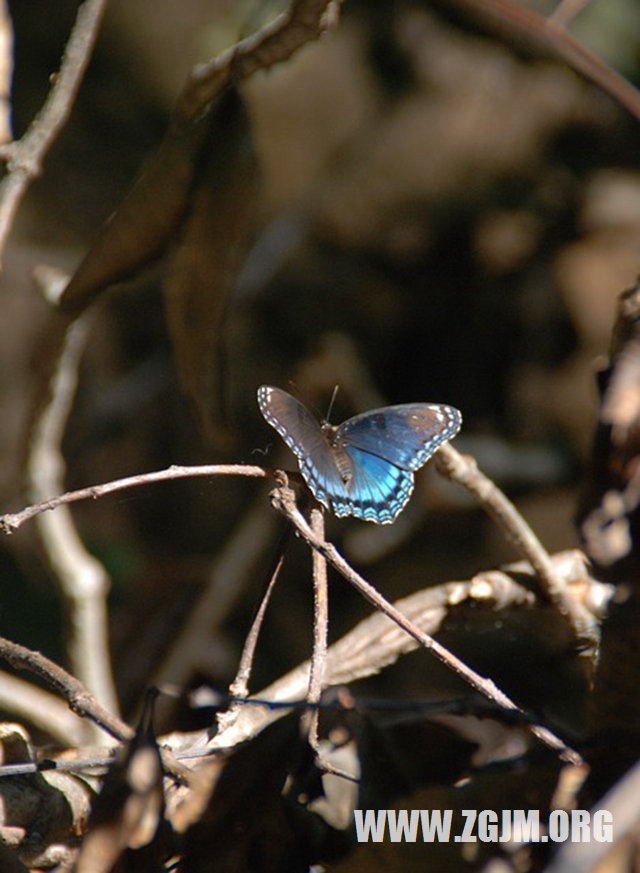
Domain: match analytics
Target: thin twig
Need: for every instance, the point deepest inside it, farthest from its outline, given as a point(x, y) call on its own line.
point(451, 464)
point(485, 686)
point(99, 759)
point(79, 698)
point(464, 470)
point(240, 686)
point(284, 501)
point(26, 156)
point(320, 628)
point(372, 645)
point(11, 521)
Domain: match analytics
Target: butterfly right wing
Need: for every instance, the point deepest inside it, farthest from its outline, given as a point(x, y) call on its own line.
point(378, 489)
point(406, 435)
point(303, 434)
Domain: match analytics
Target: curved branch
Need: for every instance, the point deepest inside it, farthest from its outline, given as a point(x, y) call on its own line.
point(11, 521)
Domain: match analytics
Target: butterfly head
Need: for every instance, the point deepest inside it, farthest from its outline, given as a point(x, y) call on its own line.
point(330, 431)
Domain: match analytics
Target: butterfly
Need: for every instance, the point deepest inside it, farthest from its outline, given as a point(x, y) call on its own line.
point(363, 467)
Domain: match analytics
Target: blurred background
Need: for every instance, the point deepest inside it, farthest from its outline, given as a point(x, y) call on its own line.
point(440, 215)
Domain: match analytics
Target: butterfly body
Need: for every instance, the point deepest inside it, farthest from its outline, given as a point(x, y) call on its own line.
point(340, 456)
point(363, 467)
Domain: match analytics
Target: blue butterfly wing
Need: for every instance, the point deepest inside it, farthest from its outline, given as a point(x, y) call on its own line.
point(406, 435)
point(365, 467)
point(378, 489)
point(304, 436)
point(386, 446)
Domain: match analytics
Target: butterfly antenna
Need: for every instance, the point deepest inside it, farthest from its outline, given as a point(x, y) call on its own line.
point(331, 402)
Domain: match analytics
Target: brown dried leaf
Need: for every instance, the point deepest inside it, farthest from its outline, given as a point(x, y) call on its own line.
point(214, 240)
point(141, 229)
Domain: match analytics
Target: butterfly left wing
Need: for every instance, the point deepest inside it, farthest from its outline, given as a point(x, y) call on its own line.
point(304, 436)
point(406, 435)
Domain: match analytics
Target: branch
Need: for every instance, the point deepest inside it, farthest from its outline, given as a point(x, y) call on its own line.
point(376, 642)
point(455, 466)
point(82, 579)
point(239, 688)
point(11, 521)
point(283, 501)
point(464, 470)
point(80, 700)
point(320, 629)
point(372, 645)
point(25, 156)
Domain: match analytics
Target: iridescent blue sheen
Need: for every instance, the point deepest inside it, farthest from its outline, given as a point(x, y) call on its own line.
point(365, 466)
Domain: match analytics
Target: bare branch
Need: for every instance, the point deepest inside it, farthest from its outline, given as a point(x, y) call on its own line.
point(283, 500)
point(240, 686)
point(464, 470)
point(376, 642)
point(13, 520)
point(82, 579)
point(26, 156)
point(79, 698)
point(320, 628)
